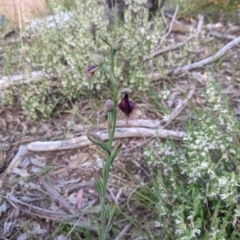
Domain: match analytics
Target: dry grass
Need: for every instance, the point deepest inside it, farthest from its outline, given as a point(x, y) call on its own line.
point(18, 11)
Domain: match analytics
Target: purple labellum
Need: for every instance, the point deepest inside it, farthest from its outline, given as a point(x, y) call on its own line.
point(126, 105)
point(90, 71)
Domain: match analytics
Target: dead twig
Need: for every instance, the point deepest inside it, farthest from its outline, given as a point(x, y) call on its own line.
point(164, 19)
point(123, 232)
point(221, 36)
point(172, 47)
point(199, 26)
point(73, 187)
point(170, 27)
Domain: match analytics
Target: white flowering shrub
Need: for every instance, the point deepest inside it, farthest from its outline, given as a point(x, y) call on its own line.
point(64, 52)
point(197, 183)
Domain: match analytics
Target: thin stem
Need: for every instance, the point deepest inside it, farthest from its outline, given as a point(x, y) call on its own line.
point(106, 170)
point(110, 129)
point(114, 88)
point(112, 117)
point(103, 220)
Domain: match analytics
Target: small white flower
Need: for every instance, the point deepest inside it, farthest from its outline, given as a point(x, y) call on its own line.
point(222, 181)
point(232, 151)
point(195, 232)
point(158, 224)
point(204, 165)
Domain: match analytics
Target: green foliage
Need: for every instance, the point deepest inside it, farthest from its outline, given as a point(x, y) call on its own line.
point(197, 184)
point(67, 230)
point(40, 99)
point(64, 52)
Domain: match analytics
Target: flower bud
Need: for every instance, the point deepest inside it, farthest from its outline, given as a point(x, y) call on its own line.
point(98, 60)
point(103, 37)
point(117, 45)
point(109, 105)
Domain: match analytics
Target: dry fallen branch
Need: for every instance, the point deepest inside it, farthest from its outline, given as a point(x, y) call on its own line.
point(208, 60)
point(136, 123)
point(120, 133)
point(200, 63)
point(136, 128)
point(172, 47)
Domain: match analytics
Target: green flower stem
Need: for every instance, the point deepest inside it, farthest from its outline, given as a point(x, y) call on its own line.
point(103, 235)
point(112, 117)
point(110, 124)
point(114, 89)
point(104, 221)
